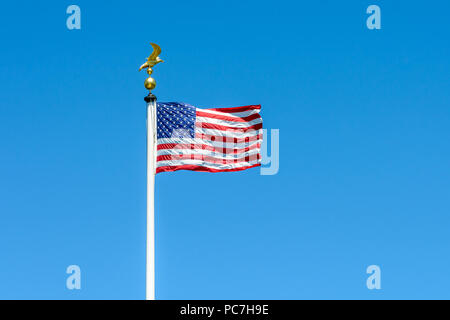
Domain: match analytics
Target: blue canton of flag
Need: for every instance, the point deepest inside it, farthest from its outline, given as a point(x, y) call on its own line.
point(175, 120)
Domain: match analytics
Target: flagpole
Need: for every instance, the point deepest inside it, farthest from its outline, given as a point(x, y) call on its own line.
point(151, 144)
point(150, 84)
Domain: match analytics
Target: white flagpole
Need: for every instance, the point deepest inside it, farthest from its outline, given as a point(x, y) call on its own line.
point(151, 160)
point(150, 84)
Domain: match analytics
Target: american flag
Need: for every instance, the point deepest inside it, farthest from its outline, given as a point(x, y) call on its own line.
point(212, 140)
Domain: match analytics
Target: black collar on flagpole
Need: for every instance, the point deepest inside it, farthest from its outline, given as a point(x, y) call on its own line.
point(150, 97)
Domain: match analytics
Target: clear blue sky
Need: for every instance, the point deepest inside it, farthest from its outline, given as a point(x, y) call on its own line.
point(364, 119)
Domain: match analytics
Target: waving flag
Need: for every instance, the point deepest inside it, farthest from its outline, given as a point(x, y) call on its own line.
point(212, 140)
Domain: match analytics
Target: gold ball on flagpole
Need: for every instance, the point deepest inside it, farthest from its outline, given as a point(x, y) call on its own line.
point(152, 60)
point(150, 83)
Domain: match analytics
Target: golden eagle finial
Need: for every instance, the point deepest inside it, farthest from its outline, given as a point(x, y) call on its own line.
point(152, 60)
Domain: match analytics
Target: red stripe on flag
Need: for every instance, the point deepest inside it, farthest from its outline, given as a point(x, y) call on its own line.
point(203, 136)
point(200, 168)
point(175, 146)
point(228, 118)
point(237, 109)
point(227, 128)
point(207, 158)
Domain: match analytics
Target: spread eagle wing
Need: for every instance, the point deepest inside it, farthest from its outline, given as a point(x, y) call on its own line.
point(156, 51)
